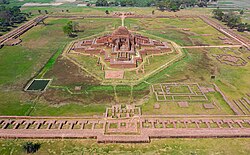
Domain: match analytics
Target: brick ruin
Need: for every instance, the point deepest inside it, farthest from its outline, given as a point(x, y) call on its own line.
point(194, 93)
point(122, 49)
point(123, 14)
point(132, 128)
point(230, 60)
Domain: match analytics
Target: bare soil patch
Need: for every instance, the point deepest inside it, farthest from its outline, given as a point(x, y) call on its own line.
point(60, 97)
point(65, 72)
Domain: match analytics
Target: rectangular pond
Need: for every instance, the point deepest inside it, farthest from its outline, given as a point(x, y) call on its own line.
point(38, 85)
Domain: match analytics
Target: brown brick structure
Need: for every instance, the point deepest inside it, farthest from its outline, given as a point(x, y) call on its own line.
point(121, 49)
point(133, 129)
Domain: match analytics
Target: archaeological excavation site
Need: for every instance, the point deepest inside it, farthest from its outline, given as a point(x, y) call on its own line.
point(89, 79)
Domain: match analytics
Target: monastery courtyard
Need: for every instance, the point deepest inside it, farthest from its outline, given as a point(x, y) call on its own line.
point(153, 81)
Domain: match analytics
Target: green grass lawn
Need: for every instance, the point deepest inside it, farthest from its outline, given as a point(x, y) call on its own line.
point(20, 63)
point(197, 33)
point(69, 109)
point(195, 108)
point(208, 146)
point(233, 80)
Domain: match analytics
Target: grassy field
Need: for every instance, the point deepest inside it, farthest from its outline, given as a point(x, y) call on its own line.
point(233, 80)
point(21, 63)
point(189, 31)
point(73, 9)
point(40, 51)
point(195, 108)
point(207, 146)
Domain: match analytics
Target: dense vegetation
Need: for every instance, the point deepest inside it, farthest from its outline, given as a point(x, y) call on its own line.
point(175, 5)
point(231, 19)
point(9, 16)
point(171, 5)
point(4, 2)
point(123, 3)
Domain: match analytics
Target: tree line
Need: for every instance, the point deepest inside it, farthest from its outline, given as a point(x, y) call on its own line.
point(123, 3)
point(9, 16)
point(170, 5)
point(231, 19)
point(4, 2)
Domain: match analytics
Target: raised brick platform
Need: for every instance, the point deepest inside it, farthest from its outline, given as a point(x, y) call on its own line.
point(134, 129)
point(114, 74)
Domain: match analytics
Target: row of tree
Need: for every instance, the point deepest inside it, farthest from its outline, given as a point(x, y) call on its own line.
point(175, 5)
point(123, 3)
point(172, 5)
point(4, 2)
point(9, 16)
point(231, 19)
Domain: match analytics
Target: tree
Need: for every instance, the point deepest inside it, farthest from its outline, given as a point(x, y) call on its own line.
point(4, 2)
point(107, 12)
point(171, 5)
point(11, 15)
point(67, 30)
point(101, 3)
point(75, 26)
point(248, 27)
point(30, 147)
point(242, 27)
point(71, 27)
point(218, 14)
point(233, 20)
point(241, 12)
